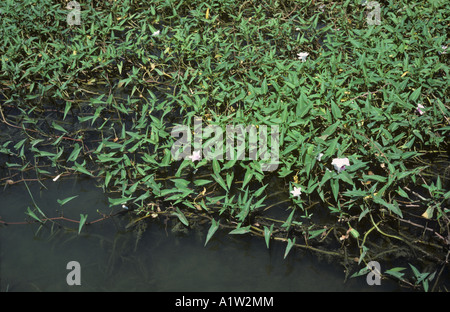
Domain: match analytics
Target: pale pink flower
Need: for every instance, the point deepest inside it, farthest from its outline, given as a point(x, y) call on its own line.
point(319, 157)
point(195, 156)
point(296, 191)
point(340, 164)
point(302, 56)
point(419, 109)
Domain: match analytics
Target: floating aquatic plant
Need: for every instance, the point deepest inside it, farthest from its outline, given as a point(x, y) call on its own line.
point(101, 99)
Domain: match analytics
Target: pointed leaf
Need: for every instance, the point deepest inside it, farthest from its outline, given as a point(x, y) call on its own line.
point(213, 228)
point(181, 217)
point(82, 221)
point(63, 201)
point(415, 95)
point(33, 215)
point(240, 230)
point(267, 234)
point(81, 169)
point(289, 246)
point(315, 233)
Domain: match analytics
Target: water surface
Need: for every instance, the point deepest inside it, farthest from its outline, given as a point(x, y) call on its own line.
point(115, 258)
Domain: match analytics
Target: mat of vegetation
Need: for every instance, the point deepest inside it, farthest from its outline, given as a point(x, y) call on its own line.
point(362, 112)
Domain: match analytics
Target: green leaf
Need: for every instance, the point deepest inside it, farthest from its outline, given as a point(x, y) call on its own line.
point(82, 221)
point(268, 234)
point(216, 166)
point(415, 95)
point(393, 208)
point(354, 233)
point(260, 190)
point(181, 217)
point(402, 193)
point(74, 155)
point(240, 230)
point(201, 182)
point(395, 272)
point(374, 177)
point(213, 228)
point(288, 247)
point(230, 176)
point(119, 201)
point(248, 176)
point(63, 201)
point(416, 272)
point(447, 195)
point(220, 180)
point(32, 214)
point(344, 176)
point(183, 165)
point(58, 127)
point(363, 271)
point(335, 110)
point(66, 110)
point(80, 168)
point(288, 221)
point(107, 178)
point(315, 233)
point(363, 254)
point(335, 188)
point(32, 198)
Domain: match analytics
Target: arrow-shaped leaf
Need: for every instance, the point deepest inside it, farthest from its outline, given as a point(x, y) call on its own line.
point(241, 230)
point(181, 217)
point(81, 169)
point(33, 215)
point(58, 127)
point(267, 234)
point(63, 201)
point(289, 246)
point(213, 228)
point(82, 221)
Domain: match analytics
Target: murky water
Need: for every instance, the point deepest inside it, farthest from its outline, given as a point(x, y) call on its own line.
point(113, 258)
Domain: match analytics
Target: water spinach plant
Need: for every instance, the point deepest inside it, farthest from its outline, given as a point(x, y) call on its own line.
point(361, 110)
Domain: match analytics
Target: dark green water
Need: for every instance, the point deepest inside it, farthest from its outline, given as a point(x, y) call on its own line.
point(34, 258)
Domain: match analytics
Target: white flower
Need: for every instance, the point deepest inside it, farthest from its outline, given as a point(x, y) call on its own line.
point(340, 163)
point(444, 48)
point(419, 108)
point(296, 191)
point(302, 56)
point(319, 157)
point(156, 33)
point(124, 206)
point(195, 156)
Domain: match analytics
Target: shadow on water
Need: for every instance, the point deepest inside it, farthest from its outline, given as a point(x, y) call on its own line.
point(149, 257)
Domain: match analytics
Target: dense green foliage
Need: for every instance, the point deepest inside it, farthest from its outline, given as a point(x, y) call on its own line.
point(102, 97)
